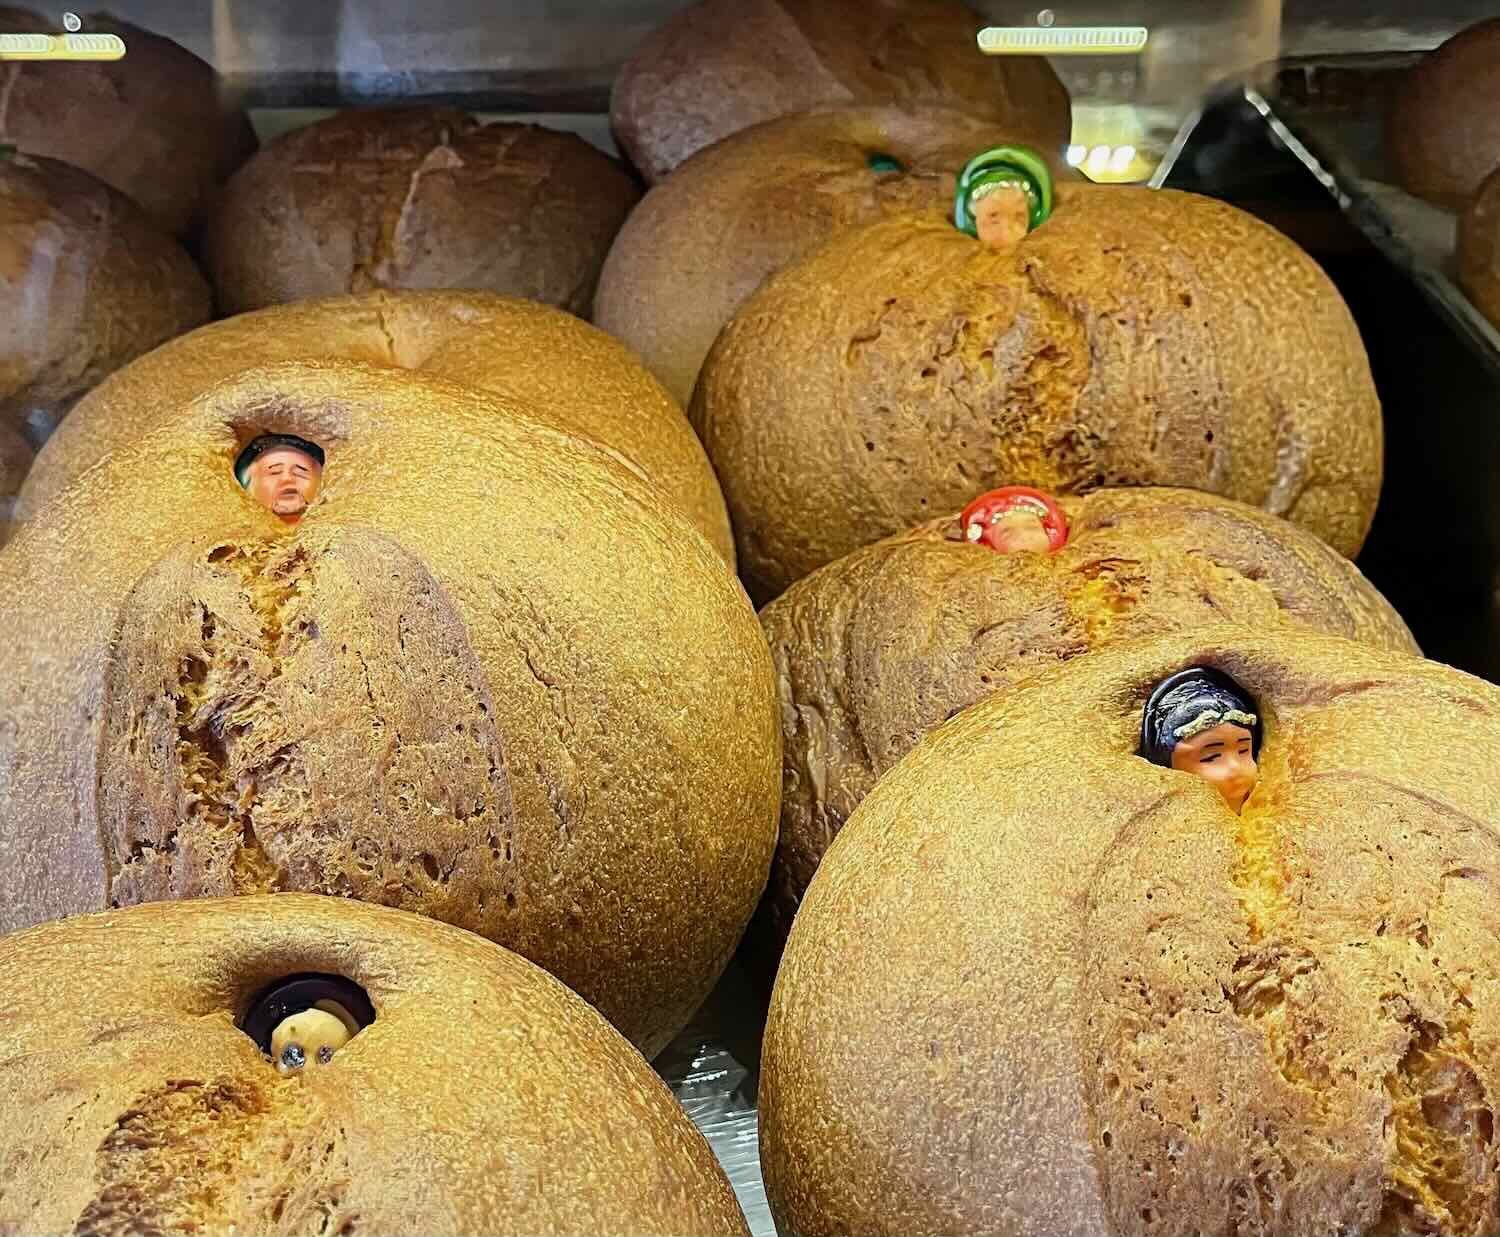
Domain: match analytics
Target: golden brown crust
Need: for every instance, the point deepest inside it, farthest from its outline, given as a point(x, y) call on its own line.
point(484, 1098)
point(87, 283)
point(1089, 990)
point(485, 678)
point(417, 197)
point(523, 351)
point(1443, 129)
point(1138, 337)
point(155, 124)
point(15, 461)
point(703, 239)
point(875, 650)
point(722, 65)
point(1479, 248)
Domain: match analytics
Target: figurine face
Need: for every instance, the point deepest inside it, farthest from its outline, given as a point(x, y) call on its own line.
point(286, 480)
point(1224, 757)
point(1002, 217)
point(308, 1038)
point(1200, 721)
point(1015, 520)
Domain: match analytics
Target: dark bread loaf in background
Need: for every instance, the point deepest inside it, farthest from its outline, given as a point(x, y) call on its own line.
point(1443, 128)
point(1479, 248)
point(155, 124)
point(719, 66)
point(87, 283)
point(417, 197)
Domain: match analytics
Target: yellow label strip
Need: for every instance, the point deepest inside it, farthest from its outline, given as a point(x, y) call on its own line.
point(1062, 40)
point(61, 47)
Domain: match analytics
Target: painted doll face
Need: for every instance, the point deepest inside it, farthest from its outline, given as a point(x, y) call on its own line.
point(286, 480)
point(1224, 757)
point(1002, 217)
point(1015, 520)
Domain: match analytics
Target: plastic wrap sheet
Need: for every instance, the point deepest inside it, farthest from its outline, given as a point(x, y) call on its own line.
point(713, 1070)
point(1330, 112)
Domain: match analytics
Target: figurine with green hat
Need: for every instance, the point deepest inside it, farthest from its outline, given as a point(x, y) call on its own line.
point(1002, 194)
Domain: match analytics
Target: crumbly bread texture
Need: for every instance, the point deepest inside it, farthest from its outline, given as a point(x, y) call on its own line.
point(1090, 991)
point(1443, 127)
point(492, 676)
point(1138, 337)
point(719, 66)
point(877, 649)
point(706, 237)
point(484, 1098)
point(517, 349)
point(155, 124)
point(15, 459)
point(417, 197)
point(87, 283)
point(1479, 248)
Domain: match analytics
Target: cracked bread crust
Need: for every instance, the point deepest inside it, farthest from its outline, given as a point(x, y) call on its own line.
point(719, 66)
point(417, 197)
point(517, 349)
point(707, 237)
point(156, 125)
point(876, 650)
point(1091, 991)
point(1138, 337)
point(88, 283)
point(484, 1098)
point(484, 678)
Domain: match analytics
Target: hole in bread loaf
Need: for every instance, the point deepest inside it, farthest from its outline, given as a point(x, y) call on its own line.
point(293, 994)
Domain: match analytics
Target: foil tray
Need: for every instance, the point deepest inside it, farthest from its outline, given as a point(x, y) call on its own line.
point(1329, 111)
point(713, 1068)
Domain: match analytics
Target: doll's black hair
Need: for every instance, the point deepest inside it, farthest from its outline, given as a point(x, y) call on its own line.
point(269, 442)
point(1182, 699)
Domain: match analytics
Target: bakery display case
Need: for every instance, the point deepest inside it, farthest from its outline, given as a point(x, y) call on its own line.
point(896, 606)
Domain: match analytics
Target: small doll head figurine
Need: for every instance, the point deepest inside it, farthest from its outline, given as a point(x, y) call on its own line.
point(1015, 520)
point(1201, 721)
point(1001, 195)
point(282, 473)
point(304, 1020)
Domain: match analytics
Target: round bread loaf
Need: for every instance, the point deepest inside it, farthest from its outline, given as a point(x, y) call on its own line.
point(483, 1098)
point(875, 650)
point(1443, 128)
point(87, 283)
point(719, 66)
point(492, 676)
point(1088, 989)
point(1479, 248)
point(417, 197)
point(154, 124)
point(15, 460)
point(706, 237)
point(539, 356)
point(1137, 337)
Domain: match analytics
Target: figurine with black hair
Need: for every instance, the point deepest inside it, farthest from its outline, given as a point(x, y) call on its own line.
point(281, 472)
point(1201, 721)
